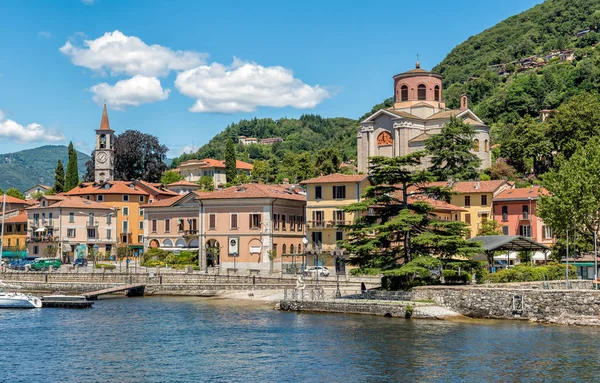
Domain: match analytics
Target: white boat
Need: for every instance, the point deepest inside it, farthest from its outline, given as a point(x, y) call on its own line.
point(19, 301)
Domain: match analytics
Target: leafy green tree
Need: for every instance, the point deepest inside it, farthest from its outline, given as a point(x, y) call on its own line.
point(490, 227)
point(328, 161)
point(574, 123)
point(139, 156)
point(59, 178)
point(16, 193)
point(230, 161)
point(36, 195)
point(573, 202)
point(451, 151)
point(241, 178)
point(526, 146)
point(72, 174)
point(261, 171)
point(403, 222)
point(207, 183)
point(170, 176)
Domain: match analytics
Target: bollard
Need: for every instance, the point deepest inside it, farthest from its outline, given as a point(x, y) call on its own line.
point(46, 277)
point(160, 279)
point(254, 280)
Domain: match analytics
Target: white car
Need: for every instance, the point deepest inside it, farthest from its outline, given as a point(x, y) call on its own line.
point(322, 270)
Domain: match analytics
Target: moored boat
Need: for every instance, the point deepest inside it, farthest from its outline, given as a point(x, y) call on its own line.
point(19, 301)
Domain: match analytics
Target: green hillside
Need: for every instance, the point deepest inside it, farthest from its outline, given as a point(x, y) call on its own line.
point(310, 144)
point(33, 166)
point(503, 85)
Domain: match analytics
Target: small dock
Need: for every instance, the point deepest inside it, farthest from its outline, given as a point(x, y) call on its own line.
point(130, 291)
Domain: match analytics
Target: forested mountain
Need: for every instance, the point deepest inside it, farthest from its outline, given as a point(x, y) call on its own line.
point(519, 66)
point(311, 145)
point(27, 168)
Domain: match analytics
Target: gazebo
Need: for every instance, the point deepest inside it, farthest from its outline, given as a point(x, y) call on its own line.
point(496, 243)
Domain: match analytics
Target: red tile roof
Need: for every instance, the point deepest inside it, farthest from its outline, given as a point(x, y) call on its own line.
point(155, 189)
point(248, 191)
point(521, 194)
point(212, 163)
point(336, 178)
point(21, 218)
point(115, 187)
point(183, 183)
point(165, 202)
point(71, 202)
point(471, 186)
point(104, 122)
point(13, 200)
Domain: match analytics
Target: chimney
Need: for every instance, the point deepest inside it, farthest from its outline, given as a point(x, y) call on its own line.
point(476, 185)
point(464, 102)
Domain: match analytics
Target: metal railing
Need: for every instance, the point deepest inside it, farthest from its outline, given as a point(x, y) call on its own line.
point(319, 294)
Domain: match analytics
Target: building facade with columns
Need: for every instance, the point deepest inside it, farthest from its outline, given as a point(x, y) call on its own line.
point(418, 113)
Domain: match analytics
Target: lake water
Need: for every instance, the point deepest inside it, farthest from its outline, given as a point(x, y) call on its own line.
point(194, 340)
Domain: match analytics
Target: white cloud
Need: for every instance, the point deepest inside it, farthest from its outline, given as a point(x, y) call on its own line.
point(88, 2)
point(244, 86)
point(45, 34)
point(131, 92)
point(11, 130)
point(179, 150)
point(120, 54)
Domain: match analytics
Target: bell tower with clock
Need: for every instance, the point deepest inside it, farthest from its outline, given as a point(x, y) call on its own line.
point(105, 155)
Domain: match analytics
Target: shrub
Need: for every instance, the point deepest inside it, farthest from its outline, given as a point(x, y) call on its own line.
point(452, 277)
point(153, 263)
point(482, 276)
point(526, 273)
point(365, 271)
point(105, 266)
point(155, 254)
point(408, 311)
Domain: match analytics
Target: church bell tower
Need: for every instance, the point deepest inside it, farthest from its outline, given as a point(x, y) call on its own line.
point(105, 154)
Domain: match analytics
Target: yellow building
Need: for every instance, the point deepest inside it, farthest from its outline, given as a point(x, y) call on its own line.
point(326, 197)
point(15, 233)
point(125, 197)
point(475, 197)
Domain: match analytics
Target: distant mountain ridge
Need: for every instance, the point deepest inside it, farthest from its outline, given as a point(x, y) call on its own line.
point(29, 167)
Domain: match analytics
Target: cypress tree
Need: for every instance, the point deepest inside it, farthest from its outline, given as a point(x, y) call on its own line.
point(59, 178)
point(230, 162)
point(72, 176)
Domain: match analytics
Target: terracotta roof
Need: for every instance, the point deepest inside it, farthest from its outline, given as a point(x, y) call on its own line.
point(436, 204)
point(521, 194)
point(17, 218)
point(212, 163)
point(336, 178)
point(421, 137)
point(72, 202)
point(116, 187)
point(443, 114)
point(248, 191)
point(165, 202)
point(473, 122)
point(13, 200)
point(104, 125)
point(183, 183)
point(401, 113)
point(471, 186)
point(155, 189)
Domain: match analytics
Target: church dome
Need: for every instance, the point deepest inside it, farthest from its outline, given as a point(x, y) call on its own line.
point(417, 85)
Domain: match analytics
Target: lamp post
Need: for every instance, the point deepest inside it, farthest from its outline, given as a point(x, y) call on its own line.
point(318, 251)
point(305, 243)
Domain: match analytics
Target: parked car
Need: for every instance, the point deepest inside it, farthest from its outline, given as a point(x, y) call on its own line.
point(322, 270)
point(81, 262)
point(41, 264)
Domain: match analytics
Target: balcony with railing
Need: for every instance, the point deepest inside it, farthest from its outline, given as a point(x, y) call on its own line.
point(92, 223)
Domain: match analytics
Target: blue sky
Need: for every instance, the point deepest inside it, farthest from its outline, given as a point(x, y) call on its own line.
point(184, 70)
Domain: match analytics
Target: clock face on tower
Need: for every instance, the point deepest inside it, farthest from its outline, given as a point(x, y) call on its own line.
point(102, 157)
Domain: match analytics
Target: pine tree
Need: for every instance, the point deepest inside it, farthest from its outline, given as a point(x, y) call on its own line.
point(230, 161)
point(450, 151)
point(401, 219)
point(59, 178)
point(72, 175)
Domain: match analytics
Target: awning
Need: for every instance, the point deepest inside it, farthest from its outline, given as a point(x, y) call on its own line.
point(40, 230)
point(586, 264)
point(508, 243)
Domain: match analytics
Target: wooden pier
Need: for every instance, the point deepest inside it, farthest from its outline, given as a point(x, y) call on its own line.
point(130, 291)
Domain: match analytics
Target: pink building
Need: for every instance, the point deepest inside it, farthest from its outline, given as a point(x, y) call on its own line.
point(246, 227)
point(516, 212)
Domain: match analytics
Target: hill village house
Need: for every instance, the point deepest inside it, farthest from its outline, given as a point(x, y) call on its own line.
point(266, 227)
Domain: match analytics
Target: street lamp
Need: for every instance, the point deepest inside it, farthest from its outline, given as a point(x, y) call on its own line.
point(305, 242)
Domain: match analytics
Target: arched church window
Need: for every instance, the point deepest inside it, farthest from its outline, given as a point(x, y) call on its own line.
point(422, 92)
point(404, 93)
point(486, 146)
point(283, 249)
point(436, 93)
point(476, 145)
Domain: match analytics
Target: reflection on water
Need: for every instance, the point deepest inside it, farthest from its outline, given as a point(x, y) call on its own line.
point(195, 340)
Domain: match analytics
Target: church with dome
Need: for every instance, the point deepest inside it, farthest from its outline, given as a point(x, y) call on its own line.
point(418, 113)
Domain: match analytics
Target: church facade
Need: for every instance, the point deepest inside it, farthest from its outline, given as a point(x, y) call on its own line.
point(418, 113)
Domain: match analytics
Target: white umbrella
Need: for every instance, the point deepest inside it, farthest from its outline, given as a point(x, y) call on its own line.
point(41, 229)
